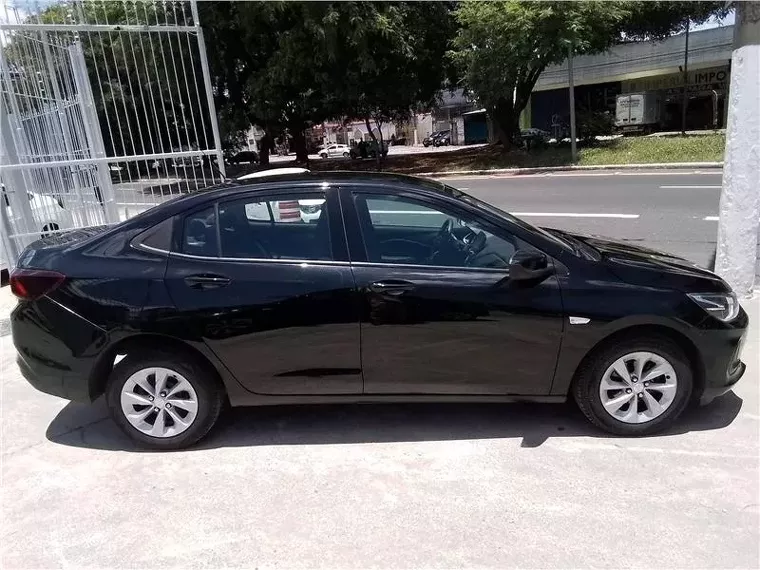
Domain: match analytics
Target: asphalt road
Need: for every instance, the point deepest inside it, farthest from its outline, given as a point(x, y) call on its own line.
point(673, 211)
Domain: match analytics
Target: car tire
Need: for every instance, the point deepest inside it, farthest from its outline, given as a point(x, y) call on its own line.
point(345, 155)
point(588, 388)
point(323, 154)
point(207, 391)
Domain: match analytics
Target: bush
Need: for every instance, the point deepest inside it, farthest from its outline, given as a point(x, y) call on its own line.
point(594, 123)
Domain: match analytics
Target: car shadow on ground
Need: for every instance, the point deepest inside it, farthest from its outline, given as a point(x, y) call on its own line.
point(89, 426)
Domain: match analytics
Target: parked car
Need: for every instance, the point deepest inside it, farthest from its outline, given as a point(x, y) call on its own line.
point(245, 157)
point(442, 139)
point(335, 150)
point(368, 149)
point(47, 211)
point(403, 290)
point(430, 139)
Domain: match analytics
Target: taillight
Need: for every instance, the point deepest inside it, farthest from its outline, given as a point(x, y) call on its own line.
point(30, 284)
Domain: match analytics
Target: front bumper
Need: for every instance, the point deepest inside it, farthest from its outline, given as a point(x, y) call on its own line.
point(720, 350)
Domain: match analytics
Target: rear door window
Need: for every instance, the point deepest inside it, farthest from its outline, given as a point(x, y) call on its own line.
point(277, 227)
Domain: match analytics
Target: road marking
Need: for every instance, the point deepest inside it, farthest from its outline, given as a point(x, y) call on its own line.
point(574, 215)
point(687, 187)
point(711, 218)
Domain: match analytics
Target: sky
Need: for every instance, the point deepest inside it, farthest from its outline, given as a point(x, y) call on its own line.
point(714, 23)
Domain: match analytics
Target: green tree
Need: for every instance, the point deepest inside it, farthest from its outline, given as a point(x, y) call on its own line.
point(290, 65)
point(502, 47)
point(393, 58)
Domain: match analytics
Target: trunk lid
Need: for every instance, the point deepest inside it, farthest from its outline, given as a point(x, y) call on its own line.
point(41, 253)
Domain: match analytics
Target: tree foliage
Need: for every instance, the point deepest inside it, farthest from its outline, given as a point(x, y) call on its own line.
point(294, 64)
point(502, 47)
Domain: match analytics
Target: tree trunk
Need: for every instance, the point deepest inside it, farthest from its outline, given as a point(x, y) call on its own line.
point(299, 144)
point(265, 144)
point(507, 123)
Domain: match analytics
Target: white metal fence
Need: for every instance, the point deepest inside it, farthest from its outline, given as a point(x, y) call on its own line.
point(107, 110)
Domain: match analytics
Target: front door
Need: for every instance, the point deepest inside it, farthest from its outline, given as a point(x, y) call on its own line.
point(439, 315)
point(273, 297)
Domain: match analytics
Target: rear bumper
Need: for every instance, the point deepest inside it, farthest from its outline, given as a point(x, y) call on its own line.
point(57, 349)
point(56, 383)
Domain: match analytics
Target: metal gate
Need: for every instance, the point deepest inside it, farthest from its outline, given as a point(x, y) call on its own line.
point(107, 110)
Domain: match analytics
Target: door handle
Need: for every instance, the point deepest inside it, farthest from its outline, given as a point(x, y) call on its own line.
point(206, 281)
point(391, 287)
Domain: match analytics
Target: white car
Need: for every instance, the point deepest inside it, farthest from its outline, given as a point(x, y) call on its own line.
point(335, 150)
point(310, 209)
point(47, 213)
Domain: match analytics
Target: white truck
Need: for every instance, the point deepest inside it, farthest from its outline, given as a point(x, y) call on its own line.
point(638, 112)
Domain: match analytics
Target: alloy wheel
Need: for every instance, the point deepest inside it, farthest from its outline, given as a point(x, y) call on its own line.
point(159, 402)
point(638, 387)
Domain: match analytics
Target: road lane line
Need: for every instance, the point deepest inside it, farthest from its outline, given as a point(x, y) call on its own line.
point(689, 187)
point(574, 215)
point(711, 218)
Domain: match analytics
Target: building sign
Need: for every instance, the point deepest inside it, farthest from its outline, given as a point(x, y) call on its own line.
point(716, 78)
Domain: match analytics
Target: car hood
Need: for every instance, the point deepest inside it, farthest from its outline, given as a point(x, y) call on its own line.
point(648, 267)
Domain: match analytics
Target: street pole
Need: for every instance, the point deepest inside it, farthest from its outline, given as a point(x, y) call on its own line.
point(737, 258)
point(685, 100)
point(571, 87)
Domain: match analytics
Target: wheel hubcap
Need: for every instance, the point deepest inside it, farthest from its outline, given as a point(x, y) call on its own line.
point(159, 402)
point(638, 387)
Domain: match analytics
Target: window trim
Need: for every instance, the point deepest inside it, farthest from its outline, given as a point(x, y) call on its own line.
point(502, 270)
point(261, 259)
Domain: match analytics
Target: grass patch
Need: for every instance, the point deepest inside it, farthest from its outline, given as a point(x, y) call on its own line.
point(628, 150)
point(646, 150)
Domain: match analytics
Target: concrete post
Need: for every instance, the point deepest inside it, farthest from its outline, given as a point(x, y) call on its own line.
point(571, 90)
point(737, 253)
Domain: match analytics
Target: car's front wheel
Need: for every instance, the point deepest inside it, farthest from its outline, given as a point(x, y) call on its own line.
point(323, 154)
point(163, 401)
point(635, 387)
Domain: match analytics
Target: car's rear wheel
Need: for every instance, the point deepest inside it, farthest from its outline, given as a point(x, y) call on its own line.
point(635, 387)
point(163, 401)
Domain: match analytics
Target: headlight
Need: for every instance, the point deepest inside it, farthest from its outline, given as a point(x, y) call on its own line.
point(723, 306)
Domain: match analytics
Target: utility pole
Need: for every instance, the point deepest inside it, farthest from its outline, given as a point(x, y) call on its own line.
point(571, 88)
point(685, 100)
point(739, 226)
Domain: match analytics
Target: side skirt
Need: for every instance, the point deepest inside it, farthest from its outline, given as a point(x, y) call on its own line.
point(262, 400)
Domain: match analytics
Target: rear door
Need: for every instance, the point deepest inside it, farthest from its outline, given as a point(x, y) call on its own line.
point(273, 299)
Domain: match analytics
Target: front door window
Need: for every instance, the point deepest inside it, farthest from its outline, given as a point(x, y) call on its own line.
point(402, 230)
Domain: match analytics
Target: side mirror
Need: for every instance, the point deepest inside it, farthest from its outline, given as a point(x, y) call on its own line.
point(527, 265)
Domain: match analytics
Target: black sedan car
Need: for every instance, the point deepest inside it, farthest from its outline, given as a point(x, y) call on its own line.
point(402, 290)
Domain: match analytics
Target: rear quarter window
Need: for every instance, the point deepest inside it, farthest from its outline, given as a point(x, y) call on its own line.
point(199, 234)
point(159, 237)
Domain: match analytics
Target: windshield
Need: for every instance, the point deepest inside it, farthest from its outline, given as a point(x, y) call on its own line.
point(490, 208)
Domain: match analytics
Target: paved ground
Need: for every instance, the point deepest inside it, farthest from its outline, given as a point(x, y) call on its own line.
point(381, 487)
point(402, 486)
